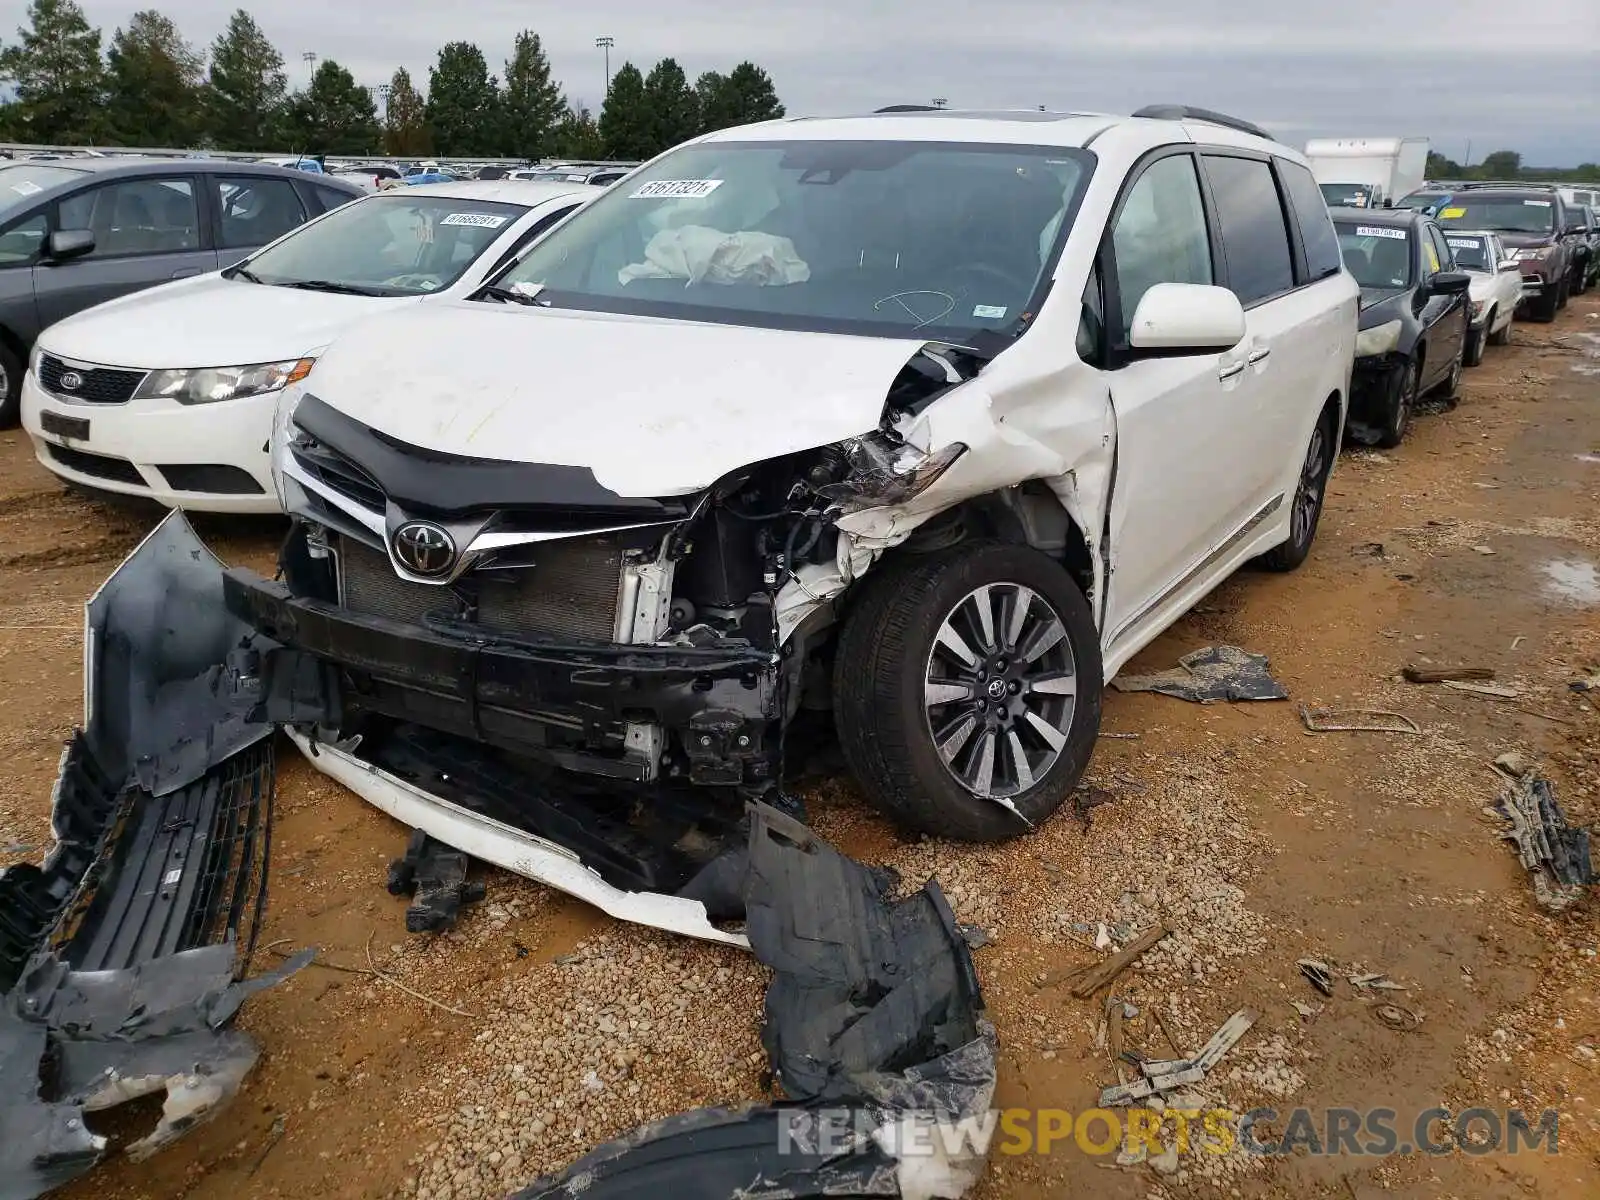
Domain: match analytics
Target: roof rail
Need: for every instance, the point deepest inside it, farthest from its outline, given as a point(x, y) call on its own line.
point(1185, 112)
point(1523, 184)
point(907, 108)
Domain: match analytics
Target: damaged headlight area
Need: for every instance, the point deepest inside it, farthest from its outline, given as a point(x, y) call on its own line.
point(123, 954)
point(881, 469)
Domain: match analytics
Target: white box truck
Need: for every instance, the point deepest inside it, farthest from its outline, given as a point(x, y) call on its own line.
point(1367, 172)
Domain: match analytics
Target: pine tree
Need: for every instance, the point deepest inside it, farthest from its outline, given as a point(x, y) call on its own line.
point(334, 115)
point(533, 104)
point(58, 76)
point(625, 124)
point(674, 110)
point(576, 135)
point(752, 96)
point(463, 102)
point(153, 84)
point(246, 93)
point(406, 119)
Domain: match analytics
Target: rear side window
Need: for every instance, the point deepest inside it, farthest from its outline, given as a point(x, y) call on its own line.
point(1160, 235)
point(331, 198)
point(256, 210)
point(1255, 237)
point(1311, 214)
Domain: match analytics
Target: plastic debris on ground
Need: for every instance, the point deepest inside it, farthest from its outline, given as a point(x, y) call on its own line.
point(1554, 852)
point(876, 1030)
point(1209, 675)
point(123, 954)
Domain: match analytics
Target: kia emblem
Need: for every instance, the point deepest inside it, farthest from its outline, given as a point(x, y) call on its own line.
point(424, 548)
point(71, 381)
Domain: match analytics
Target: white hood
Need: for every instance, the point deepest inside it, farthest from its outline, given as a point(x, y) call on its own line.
point(209, 322)
point(1481, 285)
point(653, 408)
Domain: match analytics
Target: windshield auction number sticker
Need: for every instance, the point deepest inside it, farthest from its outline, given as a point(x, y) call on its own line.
point(1398, 235)
point(481, 220)
point(1465, 243)
point(676, 189)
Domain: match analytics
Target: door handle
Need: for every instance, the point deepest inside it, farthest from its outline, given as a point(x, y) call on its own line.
point(1229, 372)
point(186, 273)
point(1258, 356)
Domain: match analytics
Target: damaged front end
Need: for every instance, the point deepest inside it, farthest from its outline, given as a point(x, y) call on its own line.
point(579, 686)
point(123, 955)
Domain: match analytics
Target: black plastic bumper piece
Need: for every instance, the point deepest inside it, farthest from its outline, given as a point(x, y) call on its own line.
point(539, 696)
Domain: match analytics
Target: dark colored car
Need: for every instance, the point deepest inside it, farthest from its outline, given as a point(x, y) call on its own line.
point(1586, 250)
point(1538, 228)
point(1414, 317)
point(81, 231)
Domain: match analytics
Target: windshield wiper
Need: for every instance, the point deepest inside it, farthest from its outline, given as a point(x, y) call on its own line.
point(329, 285)
point(242, 272)
point(505, 295)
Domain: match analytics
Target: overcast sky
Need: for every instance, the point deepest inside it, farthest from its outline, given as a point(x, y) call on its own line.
point(1523, 76)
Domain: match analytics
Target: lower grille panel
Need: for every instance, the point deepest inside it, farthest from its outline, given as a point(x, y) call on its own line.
point(571, 590)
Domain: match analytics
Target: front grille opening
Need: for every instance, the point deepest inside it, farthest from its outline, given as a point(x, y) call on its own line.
point(571, 590)
point(338, 473)
point(219, 479)
point(101, 466)
point(101, 385)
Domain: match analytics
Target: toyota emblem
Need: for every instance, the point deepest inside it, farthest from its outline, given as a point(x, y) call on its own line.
point(71, 381)
point(424, 548)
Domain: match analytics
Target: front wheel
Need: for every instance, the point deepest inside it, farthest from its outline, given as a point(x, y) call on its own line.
point(1398, 410)
point(10, 388)
point(1472, 356)
point(967, 690)
point(1501, 336)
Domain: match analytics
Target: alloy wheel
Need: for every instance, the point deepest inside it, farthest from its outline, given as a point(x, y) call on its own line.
point(1308, 496)
point(1000, 690)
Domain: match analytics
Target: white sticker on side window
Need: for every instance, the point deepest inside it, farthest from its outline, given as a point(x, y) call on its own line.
point(482, 220)
point(989, 311)
point(27, 188)
point(676, 189)
point(1398, 235)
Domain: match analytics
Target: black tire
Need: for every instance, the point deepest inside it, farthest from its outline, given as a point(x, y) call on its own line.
point(1580, 279)
point(1563, 292)
point(886, 659)
point(1544, 310)
point(1399, 407)
point(1503, 337)
point(1311, 490)
point(10, 388)
point(1472, 353)
point(1449, 387)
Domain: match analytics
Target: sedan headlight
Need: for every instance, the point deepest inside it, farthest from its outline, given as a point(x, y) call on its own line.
point(207, 385)
point(1381, 339)
point(33, 359)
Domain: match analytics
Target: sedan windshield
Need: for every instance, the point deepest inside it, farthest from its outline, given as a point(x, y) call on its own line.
point(884, 238)
point(1501, 214)
point(391, 244)
point(1346, 195)
point(1379, 256)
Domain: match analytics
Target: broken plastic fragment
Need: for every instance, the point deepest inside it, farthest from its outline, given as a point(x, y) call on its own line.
point(1212, 674)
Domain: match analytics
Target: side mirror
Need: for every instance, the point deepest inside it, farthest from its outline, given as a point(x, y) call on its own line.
point(67, 244)
point(1510, 264)
point(1450, 283)
point(1186, 318)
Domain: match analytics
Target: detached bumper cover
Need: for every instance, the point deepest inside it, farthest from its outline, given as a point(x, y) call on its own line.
point(122, 955)
point(877, 1032)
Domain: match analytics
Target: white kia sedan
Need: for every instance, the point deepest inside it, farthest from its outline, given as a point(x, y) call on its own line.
point(169, 394)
